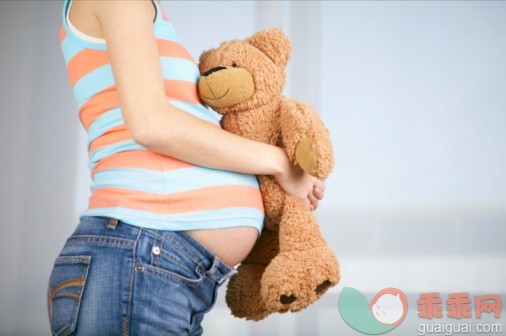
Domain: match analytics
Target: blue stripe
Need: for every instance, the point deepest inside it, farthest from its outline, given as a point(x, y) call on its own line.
point(197, 110)
point(165, 30)
point(69, 49)
point(118, 147)
point(179, 69)
point(101, 78)
point(114, 118)
point(169, 182)
point(93, 83)
point(104, 123)
point(212, 219)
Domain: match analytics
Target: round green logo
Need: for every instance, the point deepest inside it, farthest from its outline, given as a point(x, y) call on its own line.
point(385, 312)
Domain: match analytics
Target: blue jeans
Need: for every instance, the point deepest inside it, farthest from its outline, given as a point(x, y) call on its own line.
point(112, 278)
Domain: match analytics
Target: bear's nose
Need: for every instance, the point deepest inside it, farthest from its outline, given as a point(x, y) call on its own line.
point(210, 71)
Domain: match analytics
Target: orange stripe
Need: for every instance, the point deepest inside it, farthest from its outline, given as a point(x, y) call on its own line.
point(142, 160)
point(109, 98)
point(98, 105)
point(173, 49)
point(181, 90)
point(88, 60)
point(188, 201)
point(120, 133)
point(85, 62)
point(63, 34)
point(114, 135)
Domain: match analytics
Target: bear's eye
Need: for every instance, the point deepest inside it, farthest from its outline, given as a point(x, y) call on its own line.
point(234, 64)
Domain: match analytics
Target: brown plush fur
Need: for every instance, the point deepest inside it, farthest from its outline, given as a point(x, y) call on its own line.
point(291, 265)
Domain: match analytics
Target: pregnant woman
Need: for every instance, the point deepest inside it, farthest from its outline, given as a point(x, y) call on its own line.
point(175, 204)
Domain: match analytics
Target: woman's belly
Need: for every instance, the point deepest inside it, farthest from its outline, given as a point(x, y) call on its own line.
point(231, 244)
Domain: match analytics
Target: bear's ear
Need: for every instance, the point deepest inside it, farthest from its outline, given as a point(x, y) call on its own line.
point(202, 59)
point(274, 44)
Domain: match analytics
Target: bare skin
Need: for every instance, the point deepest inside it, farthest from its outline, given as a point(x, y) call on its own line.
point(163, 128)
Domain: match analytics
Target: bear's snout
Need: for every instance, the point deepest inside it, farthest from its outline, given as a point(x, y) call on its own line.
point(225, 86)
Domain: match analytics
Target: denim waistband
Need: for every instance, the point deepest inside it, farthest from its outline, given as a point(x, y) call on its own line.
point(126, 235)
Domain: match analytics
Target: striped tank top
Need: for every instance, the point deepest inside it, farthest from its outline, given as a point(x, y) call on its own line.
point(138, 186)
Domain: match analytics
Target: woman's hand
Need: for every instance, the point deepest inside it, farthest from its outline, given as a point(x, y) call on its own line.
point(300, 184)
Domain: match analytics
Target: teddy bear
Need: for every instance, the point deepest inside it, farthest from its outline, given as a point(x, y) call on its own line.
point(291, 264)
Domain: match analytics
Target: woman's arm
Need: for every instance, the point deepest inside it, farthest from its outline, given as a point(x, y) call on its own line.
point(155, 124)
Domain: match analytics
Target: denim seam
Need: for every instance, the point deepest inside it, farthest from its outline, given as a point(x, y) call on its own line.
point(173, 277)
point(213, 302)
point(102, 237)
point(166, 256)
point(101, 240)
point(126, 319)
point(172, 259)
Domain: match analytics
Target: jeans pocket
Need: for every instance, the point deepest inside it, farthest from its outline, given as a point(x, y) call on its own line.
point(65, 290)
point(175, 266)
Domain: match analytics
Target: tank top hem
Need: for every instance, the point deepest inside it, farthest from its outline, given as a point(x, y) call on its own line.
point(252, 219)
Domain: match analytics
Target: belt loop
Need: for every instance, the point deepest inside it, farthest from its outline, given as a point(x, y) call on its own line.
point(217, 273)
point(227, 276)
point(113, 224)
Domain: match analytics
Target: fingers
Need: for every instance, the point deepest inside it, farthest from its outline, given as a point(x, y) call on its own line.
point(320, 186)
point(316, 195)
point(313, 201)
point(303, 186)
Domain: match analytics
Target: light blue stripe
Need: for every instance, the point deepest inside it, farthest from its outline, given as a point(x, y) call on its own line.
point(165, 30)
point(212, 219)
point(93, 83)
point(179, 69)
point(104, 123)
point(69, 49)
point(197, 110)
point(169, 182)
point(118, 147)
point(133, 179)
point(114, 118)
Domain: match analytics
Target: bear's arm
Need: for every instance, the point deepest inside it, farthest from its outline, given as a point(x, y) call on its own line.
point(306, 139)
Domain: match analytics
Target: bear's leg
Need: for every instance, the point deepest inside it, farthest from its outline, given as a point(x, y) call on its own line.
point(243, 292)
point(305, 267)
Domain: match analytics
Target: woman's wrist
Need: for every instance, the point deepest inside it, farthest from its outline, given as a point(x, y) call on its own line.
point(279, 165)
